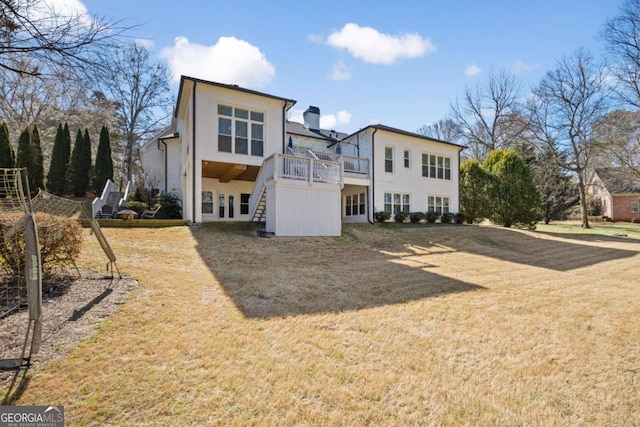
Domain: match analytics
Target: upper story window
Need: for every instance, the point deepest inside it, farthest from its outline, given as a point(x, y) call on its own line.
point(388, 159)
point(434, 166)
point(240, 131)
point(407, 159)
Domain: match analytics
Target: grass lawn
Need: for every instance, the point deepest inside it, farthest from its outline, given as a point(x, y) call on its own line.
point(386, 325)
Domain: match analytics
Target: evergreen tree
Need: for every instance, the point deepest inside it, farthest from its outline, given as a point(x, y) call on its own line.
point(473, 197)
point(512, 196)
point(104, 163)
point(25, 157)
point(58, 165)
point(79, 165)
point(38, 170)
point(7, 159)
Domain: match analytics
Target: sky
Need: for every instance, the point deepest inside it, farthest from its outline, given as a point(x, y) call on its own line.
point(399, 63)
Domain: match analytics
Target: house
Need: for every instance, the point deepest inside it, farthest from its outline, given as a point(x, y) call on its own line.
point(616, 193)
point(230, 154)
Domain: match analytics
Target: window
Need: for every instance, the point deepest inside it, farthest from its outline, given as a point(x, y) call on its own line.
point(438, 204)
point(438, 167)
point(233, 131)
point(244, 203)
point(207, 202)
point(635, 207)
point(355, 205)
point(407, 159)
point(397, 202)
point(388, 159)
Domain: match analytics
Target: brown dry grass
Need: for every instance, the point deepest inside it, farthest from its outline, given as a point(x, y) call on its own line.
point(413, 325)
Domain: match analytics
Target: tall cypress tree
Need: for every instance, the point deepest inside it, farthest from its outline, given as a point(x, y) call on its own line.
point(25, 157)
point(104, 164)
point(58, 165)
point(74, 180)
point(7, 159)
point(38, 169)
point(86, 172)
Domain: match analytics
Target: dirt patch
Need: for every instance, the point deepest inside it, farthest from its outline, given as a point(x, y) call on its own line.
point(73, 307)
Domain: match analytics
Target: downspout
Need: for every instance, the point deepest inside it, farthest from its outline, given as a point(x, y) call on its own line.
point(193, 129)
point(284, 125)
point(166, 164)
point(371, 171)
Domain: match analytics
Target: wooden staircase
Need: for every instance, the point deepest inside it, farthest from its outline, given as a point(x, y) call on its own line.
point(261, 209)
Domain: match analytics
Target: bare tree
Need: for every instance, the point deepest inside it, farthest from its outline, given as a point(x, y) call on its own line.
point(444, 130)
point(566, 104)
point(37, 33)
point(618, 137)
point(622, 36)
point(488, 116)
point(140, 89)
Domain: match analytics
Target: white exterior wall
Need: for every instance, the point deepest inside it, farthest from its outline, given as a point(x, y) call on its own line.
point(207, 100)
point(293, 210)
point(410, 180)
point(233, 188)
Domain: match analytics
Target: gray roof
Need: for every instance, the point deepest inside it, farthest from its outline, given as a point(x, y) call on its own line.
point(329, 136)
point(618, 180)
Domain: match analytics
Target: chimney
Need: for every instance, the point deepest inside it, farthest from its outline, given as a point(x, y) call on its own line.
point(312, 118)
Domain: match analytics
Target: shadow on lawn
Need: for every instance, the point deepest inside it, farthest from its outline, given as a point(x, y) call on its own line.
point(369, 266)
point(296, 276)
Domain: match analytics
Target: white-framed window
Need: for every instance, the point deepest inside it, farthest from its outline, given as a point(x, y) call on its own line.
point(438, 204)
point(207, 202)
point(355, 204)
point(388, 159)
point(434, 166)
point(240, 131)
point(407, 159)
point(397, 202)
point(635, 207)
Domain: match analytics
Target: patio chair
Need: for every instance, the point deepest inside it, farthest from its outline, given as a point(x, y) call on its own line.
point(106, 212)
point(150, 213)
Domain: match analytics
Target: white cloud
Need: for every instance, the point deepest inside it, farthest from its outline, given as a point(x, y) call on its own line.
point(520, 67)
point(327, 121)
point(333, 121)
point(371, 46)
point(146, 43)
point(340, 71)
point(230, 60)
point(472, 70)
point(67, 7)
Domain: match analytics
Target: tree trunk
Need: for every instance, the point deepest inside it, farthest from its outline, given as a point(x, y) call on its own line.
point(584, 213)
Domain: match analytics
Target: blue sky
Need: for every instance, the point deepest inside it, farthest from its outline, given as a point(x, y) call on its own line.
point(399, 63)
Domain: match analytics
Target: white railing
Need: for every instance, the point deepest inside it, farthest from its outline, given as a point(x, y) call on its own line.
point(289, 167)
point(355, 164)
point(265, 174)
point(308, 169)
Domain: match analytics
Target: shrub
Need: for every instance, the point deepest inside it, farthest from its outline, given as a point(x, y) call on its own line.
point(431, 216)
point(171, 207)
point(60, 241)
point(459, 218)
point(382, 216)
point(401, 217)
point(447, 218)
point(416, 217)
point(136, 206)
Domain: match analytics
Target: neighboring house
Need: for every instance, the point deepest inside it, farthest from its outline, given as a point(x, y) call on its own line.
point(231, 155)
point(616, 193)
